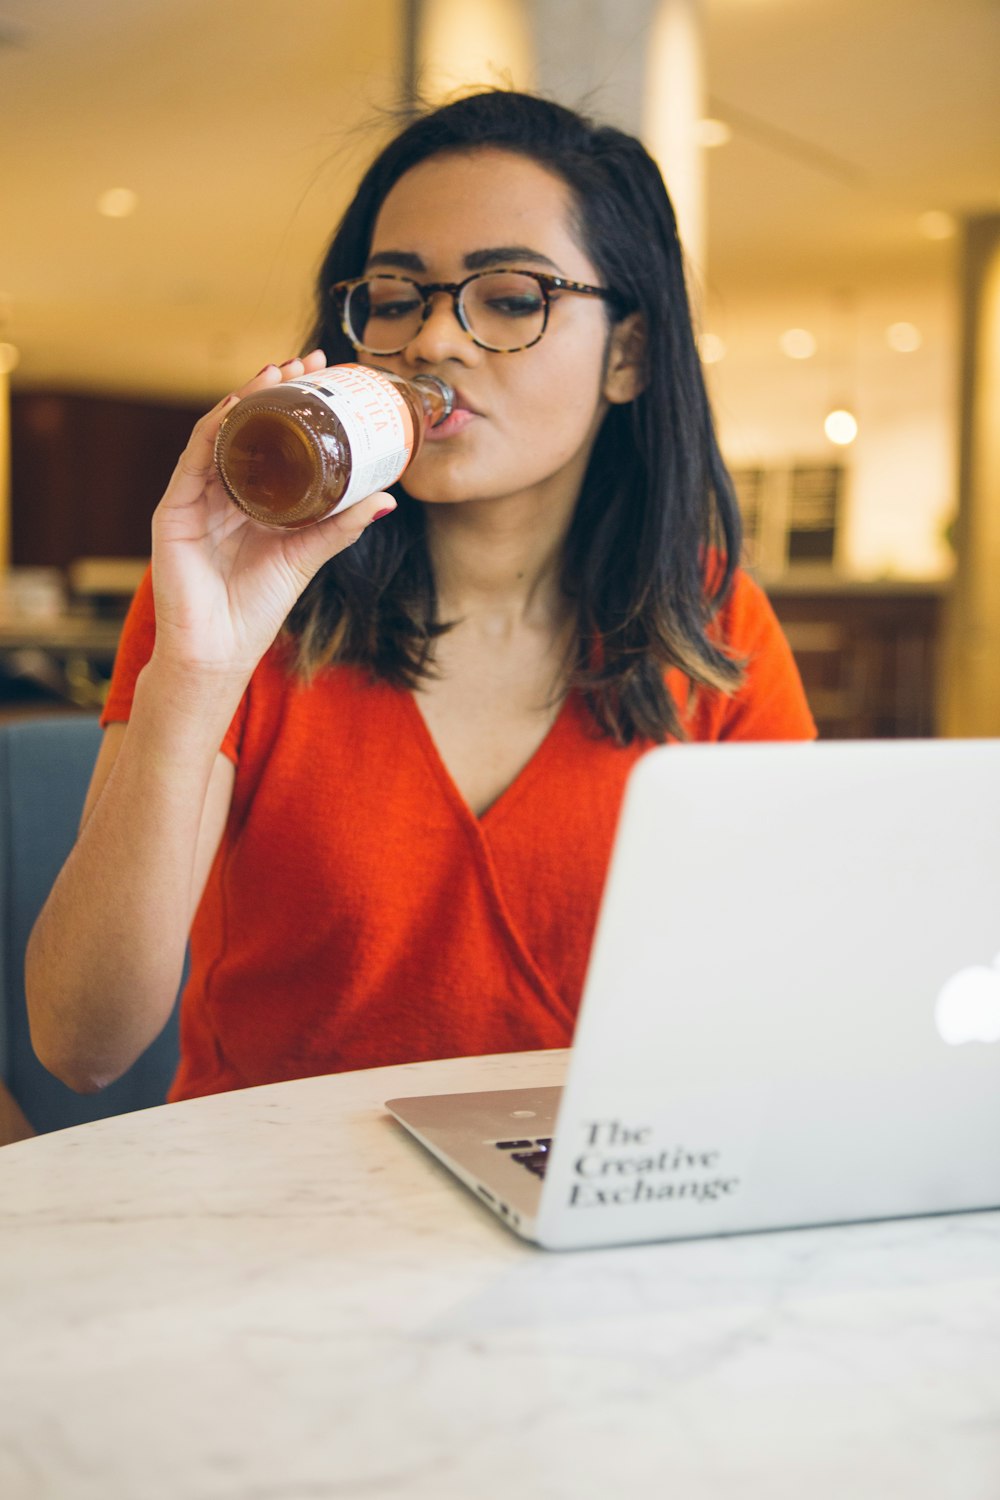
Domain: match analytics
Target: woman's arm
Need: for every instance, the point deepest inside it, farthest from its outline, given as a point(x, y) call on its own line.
point(105, 957)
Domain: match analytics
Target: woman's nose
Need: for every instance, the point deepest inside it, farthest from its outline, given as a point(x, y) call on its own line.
point(441, 335)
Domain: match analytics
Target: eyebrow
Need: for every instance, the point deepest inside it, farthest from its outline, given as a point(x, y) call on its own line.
point(476, 260)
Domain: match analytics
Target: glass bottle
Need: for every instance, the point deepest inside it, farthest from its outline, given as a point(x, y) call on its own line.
point(298, 452)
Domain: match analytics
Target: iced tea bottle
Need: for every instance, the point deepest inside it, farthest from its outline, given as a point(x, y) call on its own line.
point(301, 451)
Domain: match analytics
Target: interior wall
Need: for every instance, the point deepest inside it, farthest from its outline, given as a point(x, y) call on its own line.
point(87, 473)
point(901, 469)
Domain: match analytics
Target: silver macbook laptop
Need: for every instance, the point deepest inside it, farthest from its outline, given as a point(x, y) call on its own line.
point(791, 1013)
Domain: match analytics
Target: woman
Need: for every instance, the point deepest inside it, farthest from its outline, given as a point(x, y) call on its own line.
point(398, 851)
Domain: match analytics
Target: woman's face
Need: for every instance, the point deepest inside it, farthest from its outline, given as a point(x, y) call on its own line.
point(527, 420)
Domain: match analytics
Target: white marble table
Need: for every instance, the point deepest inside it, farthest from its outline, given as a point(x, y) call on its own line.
point(276, 1295)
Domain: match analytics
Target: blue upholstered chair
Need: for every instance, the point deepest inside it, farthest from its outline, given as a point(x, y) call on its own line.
point(45, 766)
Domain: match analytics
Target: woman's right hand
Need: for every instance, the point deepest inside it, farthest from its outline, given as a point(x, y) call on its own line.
point(224, 584)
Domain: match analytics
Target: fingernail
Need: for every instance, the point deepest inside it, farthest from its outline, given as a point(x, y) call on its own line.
point(386, 512)
point(288, 362)
point(262, 371)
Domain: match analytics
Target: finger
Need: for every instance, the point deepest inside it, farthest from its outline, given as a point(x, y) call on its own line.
point(340, 531)
point(270, 374)
point(357, 518)
point(303, 364)
point(197, 459)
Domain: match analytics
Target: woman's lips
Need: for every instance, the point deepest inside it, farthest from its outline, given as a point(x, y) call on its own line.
point(457, 422)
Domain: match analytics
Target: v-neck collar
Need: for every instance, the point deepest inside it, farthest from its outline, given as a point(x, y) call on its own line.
point(514, 789)
point(476, 831)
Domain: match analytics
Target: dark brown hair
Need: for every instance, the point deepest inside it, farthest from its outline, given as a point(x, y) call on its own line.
point(655, 536)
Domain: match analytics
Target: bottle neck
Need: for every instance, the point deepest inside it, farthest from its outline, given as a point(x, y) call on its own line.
point(436, 397)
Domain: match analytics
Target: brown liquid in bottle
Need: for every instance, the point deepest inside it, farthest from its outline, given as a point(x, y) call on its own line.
point(298, 452)
point(270, 460)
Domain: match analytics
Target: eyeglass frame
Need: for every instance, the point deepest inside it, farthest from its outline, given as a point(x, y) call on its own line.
point(547, 284)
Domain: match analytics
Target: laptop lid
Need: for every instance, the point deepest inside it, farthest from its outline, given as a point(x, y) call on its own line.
point(792, 996)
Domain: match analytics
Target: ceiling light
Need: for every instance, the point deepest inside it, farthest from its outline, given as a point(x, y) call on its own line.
point(117, 203)
point(710, 133)
point(905, 338)
point(935, 225)
point(10, 357)
point(711, 348)
point(797, 343)
point(841, 427)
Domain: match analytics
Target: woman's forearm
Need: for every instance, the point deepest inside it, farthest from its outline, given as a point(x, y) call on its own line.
point(105, 958)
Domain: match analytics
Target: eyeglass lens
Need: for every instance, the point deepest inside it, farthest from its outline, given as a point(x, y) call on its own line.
point(503, 310)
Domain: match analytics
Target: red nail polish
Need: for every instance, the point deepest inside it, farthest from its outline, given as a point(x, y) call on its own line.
point(261, 371)
point(380, 513)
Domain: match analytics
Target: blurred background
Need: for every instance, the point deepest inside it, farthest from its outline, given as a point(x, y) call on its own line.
point(172, 170)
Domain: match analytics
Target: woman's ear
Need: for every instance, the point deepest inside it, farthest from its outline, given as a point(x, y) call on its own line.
point(625, 369)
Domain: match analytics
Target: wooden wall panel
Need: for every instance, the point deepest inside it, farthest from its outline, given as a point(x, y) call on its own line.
point(86, 474)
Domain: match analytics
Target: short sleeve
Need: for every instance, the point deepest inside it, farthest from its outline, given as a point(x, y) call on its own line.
point(771, 702)
point(135, 647)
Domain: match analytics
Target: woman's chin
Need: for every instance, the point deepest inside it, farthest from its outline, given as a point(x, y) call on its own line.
point(440, 486)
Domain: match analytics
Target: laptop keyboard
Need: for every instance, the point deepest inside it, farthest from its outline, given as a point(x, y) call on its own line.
point(532, 1155)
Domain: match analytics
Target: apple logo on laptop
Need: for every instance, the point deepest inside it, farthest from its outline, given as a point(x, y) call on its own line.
point(968, 1005)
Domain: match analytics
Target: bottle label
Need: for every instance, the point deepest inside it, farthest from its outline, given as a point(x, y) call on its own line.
point(376, 421)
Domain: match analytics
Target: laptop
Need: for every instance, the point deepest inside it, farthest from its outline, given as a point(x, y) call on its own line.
point(791, 1014)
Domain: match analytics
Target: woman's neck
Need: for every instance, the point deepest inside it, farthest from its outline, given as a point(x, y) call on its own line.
point(498, 562)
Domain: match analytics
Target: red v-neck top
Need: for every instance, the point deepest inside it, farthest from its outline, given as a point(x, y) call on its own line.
point(358, 913)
